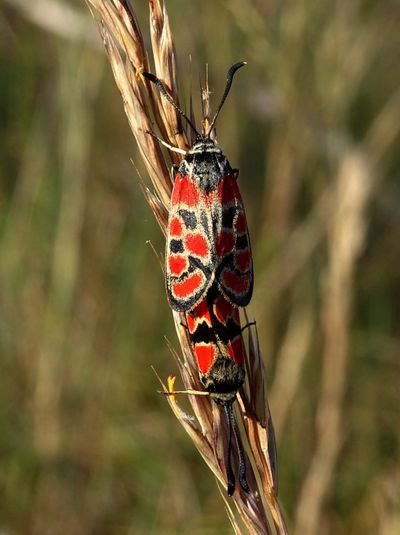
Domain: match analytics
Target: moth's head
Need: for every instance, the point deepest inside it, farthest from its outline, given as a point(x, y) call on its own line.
point(225, 398)
point(204, 144)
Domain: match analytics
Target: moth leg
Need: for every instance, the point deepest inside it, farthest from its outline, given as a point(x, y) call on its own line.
point(184, 325)
point(170, 147)
point(248, 325)
point(173, 172)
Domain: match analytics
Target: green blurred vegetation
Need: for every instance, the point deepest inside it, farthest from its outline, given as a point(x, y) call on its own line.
point(86, 445)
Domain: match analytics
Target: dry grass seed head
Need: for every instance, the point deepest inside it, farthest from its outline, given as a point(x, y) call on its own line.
point(144, 108)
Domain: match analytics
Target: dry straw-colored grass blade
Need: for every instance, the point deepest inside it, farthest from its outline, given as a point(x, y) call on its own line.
point(258, 511)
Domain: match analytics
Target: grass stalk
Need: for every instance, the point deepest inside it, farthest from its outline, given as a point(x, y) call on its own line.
point(259, 511)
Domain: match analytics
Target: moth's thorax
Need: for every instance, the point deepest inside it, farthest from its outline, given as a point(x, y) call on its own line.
point(206, 164)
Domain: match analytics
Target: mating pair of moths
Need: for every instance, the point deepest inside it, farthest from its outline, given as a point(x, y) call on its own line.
point(208, 267)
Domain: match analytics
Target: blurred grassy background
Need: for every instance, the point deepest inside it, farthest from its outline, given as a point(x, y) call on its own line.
point(86, 445)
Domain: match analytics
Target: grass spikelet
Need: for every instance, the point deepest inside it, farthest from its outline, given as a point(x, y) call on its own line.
point(259, 511)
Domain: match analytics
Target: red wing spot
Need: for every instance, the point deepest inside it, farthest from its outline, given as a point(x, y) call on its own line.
point(242, 260)
point(196, 244)
point(225, 243)
point(235, 315)
point(238, 285)
point(175, 227)
point(202, 313)
point(241, 225)
point(188, 287)
point(185, 192)
point(191, 197)
point(191, 323)
point(228, 190)
point(223, 310)
point(205, 356)
point(236, 350)
point(177, 264)
point(177, 190)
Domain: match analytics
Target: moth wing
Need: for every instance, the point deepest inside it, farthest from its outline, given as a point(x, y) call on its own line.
point(190, 258)
point(234, 272)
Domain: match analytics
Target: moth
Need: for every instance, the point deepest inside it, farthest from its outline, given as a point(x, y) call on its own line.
point(207, 234)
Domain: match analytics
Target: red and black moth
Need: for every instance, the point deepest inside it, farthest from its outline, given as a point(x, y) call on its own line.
point(207, 236)
point(216, 336)
point(208, 267)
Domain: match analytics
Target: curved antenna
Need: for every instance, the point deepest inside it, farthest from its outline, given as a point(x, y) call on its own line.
point(242, 462)
point(229, 471)
point(163, 90)
point(229, 78)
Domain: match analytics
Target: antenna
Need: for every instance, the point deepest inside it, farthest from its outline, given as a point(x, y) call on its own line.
point(242, 464)
point(163, 90)
point(229, 78)
point(229, 472)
